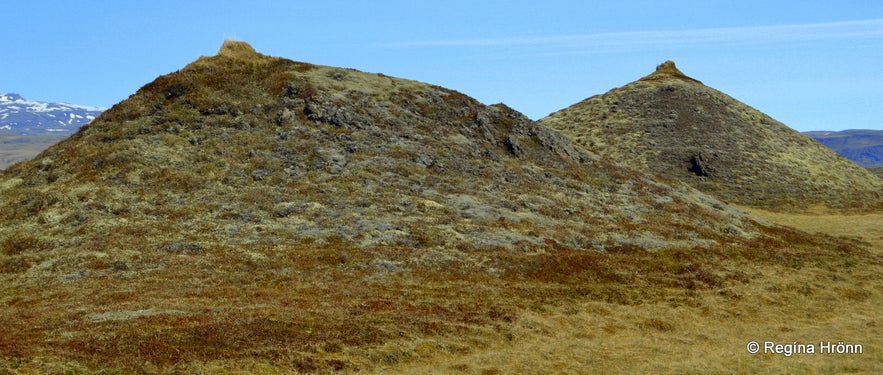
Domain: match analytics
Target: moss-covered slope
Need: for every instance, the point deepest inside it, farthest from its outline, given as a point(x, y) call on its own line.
point(670, 123)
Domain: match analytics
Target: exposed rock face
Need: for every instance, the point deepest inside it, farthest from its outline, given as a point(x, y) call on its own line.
point(668, 122)
point(702, 165)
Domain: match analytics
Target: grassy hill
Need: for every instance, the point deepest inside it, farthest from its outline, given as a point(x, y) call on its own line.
point(669, 123)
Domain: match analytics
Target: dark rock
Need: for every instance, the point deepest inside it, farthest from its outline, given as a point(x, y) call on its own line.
point(175, 90)
point(702, 165)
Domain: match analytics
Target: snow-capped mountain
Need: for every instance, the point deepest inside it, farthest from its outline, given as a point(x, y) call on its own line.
point(21, 116)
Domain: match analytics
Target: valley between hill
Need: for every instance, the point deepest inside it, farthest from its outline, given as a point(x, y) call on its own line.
point(15, 148)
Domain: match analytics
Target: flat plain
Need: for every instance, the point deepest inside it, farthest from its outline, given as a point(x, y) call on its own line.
point(15, 148)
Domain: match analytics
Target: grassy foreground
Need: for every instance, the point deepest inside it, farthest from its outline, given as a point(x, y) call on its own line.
point(864, 226)
point(702, 331)
point(707, 331)
point(326, 311)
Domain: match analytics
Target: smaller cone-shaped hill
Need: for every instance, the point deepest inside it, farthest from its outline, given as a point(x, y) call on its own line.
point(668, 122)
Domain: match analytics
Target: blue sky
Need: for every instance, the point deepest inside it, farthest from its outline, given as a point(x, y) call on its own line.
point(814, 65)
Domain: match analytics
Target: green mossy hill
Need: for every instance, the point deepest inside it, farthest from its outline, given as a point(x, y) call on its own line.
point(670, 123)
point(242, 148)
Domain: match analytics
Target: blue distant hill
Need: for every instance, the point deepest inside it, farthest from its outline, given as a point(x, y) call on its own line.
point(28, 117)
point(864, 147)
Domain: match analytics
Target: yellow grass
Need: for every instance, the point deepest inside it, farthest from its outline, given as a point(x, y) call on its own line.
point(707, 332)
point(675, 330)
point(865, 226)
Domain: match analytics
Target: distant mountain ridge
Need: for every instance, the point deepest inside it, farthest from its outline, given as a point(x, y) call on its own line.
point(863, 146)
point(29, 117)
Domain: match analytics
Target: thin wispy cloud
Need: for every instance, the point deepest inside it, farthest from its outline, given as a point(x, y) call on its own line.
point(872, 28)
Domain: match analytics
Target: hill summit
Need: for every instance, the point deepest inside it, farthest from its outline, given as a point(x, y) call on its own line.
point(670, 123)
point(254, 208)
point(238, 50)
point(668, 70)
